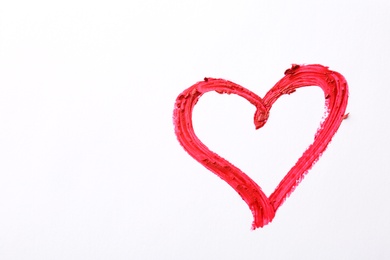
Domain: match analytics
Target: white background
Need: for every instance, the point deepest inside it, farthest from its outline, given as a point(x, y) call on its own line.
point(90, 167)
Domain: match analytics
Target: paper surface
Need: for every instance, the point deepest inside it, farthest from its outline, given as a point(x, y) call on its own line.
point(90, 167)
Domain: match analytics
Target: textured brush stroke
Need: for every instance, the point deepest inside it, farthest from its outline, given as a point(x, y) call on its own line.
point(264, 208)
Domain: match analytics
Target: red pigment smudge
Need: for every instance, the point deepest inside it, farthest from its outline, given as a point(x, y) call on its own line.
point(264, 208)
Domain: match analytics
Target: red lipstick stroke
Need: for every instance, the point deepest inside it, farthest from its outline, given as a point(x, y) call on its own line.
point(264, 208)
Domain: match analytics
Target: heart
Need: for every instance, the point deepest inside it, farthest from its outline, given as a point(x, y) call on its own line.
point(264, 208)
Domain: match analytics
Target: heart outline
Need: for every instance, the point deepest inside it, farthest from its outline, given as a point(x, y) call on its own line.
point(263, 208)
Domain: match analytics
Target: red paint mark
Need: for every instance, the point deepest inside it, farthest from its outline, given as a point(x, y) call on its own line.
point(264, 208)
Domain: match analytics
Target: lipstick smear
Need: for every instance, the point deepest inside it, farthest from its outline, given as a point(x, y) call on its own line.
point(264, 207)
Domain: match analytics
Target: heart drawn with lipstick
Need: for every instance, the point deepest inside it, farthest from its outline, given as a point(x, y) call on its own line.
point(264, 207)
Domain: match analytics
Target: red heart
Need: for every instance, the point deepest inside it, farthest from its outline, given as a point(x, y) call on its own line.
point(264, 208)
